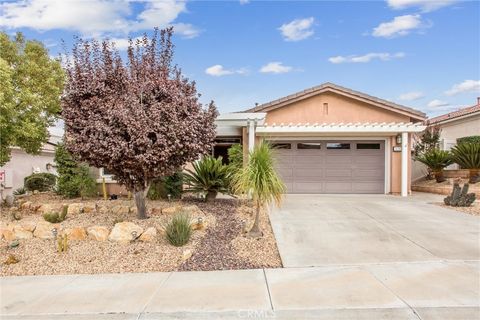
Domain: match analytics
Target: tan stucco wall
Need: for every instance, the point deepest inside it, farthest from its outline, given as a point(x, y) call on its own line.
point(344, 109)
point(340, 109)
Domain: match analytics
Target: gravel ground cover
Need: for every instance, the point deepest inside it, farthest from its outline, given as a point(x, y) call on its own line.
point(223, 245)
point(474, 209)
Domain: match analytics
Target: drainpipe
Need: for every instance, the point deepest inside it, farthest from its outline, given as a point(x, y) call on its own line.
point(404, 164)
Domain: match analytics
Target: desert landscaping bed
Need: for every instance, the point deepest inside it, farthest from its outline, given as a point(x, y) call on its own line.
point(219, 243)
point(474, 209)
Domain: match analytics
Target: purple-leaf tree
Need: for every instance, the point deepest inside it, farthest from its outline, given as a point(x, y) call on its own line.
point(140, 119)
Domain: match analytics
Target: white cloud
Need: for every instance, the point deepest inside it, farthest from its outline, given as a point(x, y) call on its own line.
point(186, 30)
point(411, 96)
point(92, 18)
point(366, 57)
point(275, 67)
point(424, 5)
point(298, 29)
point(399, 26)
point(244, 1)
point(464, 87)
point(218, 70)
point(437, 103)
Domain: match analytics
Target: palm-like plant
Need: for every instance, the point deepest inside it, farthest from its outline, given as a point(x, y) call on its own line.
point(259, 179)
point(436, 160)
point(467, 155)
point(209, 176)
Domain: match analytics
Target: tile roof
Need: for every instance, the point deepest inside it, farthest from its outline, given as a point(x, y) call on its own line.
point(455, 114)
point(333, 87)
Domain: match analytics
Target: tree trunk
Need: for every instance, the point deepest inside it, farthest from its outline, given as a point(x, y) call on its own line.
point(255, 232)
point(140, 203)
point(211, 195)
point(439, 176)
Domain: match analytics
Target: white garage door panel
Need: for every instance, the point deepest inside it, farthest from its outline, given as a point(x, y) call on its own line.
point(333, 170)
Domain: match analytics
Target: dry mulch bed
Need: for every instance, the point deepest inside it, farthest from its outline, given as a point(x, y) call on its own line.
point(473, 210)
point(222, 246)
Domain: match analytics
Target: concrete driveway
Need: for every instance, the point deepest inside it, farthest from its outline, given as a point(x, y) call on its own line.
point(321, 230)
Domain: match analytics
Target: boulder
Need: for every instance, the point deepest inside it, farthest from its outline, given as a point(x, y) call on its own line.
point(9, 200)
point(121, 209)
point(170, 210)
point(186, 254)
point(103, 209)
point(125, 232)
point(43, 230)
point(133, 210)
point(98, 233)
point(149, 235)
point(155, 211)
point(6, 231)
point(45, 208)
point(89, 208)
point(196, 225)
point(26, 205)
point(22, 233)
point(28, 225)
point(35, 206)
point(192, 209)
point(75, 208)
point(75, 233)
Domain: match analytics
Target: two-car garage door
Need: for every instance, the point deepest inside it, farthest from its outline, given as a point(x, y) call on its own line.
point(331, 166)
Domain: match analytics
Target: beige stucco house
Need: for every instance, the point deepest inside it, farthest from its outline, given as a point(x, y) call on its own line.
point(330, 139)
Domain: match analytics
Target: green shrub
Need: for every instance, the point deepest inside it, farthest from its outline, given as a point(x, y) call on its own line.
point(178, 229)
point(170, 185)
point(40, 181)
point(55, 217)
point(467, 155)
point(74, 179)
point(235, 158)
point(209, 176)
point(436, 160)
point(470, 139)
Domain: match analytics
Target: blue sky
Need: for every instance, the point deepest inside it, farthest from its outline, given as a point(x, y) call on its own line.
point(423, 54)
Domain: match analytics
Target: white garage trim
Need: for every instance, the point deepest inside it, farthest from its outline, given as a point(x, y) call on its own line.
point(373, 128)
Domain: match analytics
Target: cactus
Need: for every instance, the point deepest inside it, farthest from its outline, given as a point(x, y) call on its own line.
point(460, 196)
point(62, 243)
point(55, 217)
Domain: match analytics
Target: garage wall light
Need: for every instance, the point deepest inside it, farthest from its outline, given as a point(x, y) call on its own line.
point(399, 139)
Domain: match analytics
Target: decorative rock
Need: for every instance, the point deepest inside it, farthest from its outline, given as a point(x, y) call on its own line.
point(26, 205)
point(75, 208)
point(170, 210)
point(28, 225)
point(155, 211)
point(21, 233)
point(44, 230)
point(186, 254)
point(121, 210)
point(125, 232)
point(98, 233)
point(35, 206)
point(9, 200)
point(76, 233)
point(103, 209)
point(88, 208)
point(192, 209)
point(6, 231)
point(45, 208)
point(196, 225)
point(149, 235)
point(133, 210)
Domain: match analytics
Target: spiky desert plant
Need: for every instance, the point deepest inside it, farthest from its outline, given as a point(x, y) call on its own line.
point(179, 229)
point(436, 160)
point(467, 155)
point(260, 180)
point(209, 176)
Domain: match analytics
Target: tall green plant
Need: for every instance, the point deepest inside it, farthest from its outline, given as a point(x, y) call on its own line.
point(260, 180)
point(209, 176)
point(436, 160)
point(467, 155)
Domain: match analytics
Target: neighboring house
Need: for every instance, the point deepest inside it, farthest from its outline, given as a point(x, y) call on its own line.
point(22, 164)
point(461, 123)
point(330, 139)
point(457, 124)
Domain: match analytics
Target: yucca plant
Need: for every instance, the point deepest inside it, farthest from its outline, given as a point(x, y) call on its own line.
point(260, 180)
point(179, 229)
point(436, 160)
point(209, 176)
point(467, 155)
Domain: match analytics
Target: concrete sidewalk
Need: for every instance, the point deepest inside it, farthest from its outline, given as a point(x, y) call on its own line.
point(426, 290)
